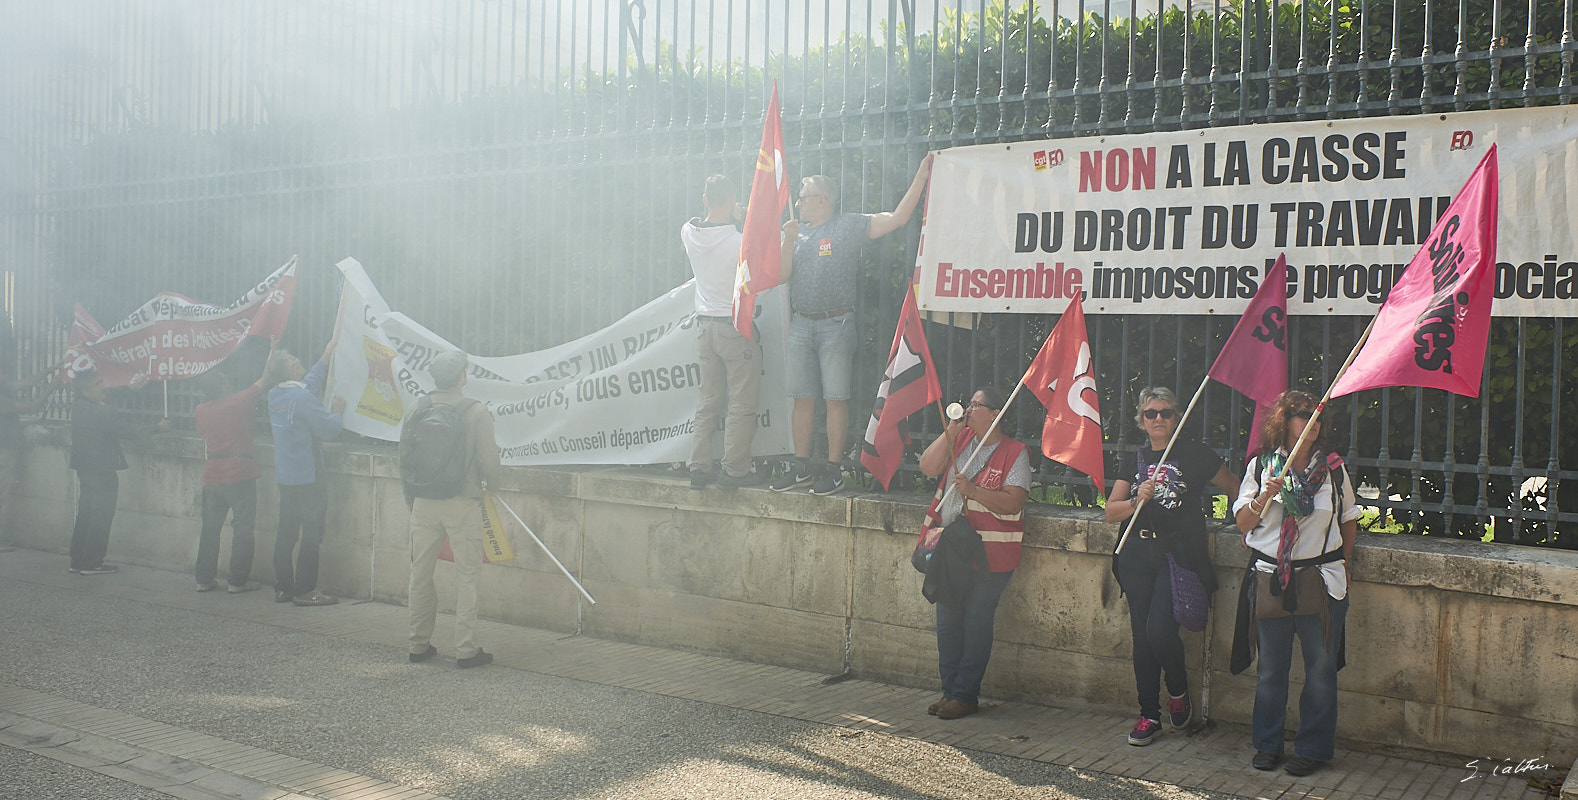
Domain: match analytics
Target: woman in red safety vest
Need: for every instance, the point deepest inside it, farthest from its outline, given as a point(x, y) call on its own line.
point(988, 488)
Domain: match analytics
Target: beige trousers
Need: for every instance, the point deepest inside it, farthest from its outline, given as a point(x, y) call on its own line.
point(731, 377)
point(459, 519)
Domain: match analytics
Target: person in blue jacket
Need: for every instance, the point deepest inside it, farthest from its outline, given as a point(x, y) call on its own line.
point(300, 423)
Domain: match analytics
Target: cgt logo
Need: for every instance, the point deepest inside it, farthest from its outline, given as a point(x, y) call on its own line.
point(1044, 159)
point(1462, 140)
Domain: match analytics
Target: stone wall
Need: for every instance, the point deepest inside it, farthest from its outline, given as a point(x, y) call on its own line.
point(1456, 647)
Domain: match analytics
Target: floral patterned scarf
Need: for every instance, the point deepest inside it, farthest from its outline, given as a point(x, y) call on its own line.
point(1298, 500)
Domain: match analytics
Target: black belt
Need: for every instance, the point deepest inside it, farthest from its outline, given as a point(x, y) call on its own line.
point(827, 314)
point(1323, 558)
point(705, 318)
point(217, 456)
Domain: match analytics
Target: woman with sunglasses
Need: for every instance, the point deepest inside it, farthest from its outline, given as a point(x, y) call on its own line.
point(1170, 530)
point(1300, 531)
point(989, 490)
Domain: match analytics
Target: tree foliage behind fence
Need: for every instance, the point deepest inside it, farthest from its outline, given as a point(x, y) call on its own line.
point(514, 175)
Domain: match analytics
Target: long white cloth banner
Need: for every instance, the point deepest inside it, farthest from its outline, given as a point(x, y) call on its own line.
point(623, 395)
point(1189, 222)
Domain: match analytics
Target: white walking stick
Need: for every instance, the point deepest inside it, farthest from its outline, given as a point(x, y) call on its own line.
point(545, 549)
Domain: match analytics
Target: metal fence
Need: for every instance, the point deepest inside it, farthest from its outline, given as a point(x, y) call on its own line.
point(514, 173)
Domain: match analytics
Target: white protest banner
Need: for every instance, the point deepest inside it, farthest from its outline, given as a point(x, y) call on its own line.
point(171, 337)
point(623, 395)
point(1189, 222)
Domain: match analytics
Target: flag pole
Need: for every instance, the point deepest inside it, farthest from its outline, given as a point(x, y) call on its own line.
point(1320, 407)
point(555, 559)
point(1165, 452)
point(988, 434)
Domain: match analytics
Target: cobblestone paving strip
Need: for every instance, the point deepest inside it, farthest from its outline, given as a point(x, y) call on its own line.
point(168, 759)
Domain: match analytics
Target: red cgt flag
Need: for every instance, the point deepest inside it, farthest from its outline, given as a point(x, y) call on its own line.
point(909, 384)
point(761, 248)
point(1064, 380)
point(1432, 329)
point(1255, 358)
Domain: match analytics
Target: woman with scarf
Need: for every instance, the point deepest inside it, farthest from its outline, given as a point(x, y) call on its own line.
point(1170, 532)
point(989, 490)
point(1300, 530)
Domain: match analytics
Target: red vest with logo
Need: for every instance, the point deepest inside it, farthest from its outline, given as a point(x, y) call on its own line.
point(1001, 534)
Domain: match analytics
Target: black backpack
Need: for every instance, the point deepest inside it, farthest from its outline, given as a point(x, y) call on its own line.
point(436, 456)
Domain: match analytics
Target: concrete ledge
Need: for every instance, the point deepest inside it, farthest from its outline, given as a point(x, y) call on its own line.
point(1454, 646)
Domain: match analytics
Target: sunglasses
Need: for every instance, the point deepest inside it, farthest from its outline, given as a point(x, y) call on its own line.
point(1164, 413)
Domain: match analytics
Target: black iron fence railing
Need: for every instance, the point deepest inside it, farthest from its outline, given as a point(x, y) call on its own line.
point(514, 174)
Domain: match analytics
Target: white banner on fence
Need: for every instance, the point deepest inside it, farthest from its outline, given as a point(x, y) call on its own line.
point(623, 395)
point(1188, 222)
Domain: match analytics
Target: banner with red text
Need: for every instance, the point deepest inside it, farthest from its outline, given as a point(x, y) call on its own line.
point(171, 337)
point(1189, 222)
point(625, 394)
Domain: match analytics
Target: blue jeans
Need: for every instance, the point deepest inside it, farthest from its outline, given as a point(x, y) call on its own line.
point(821, 355)
point(964, 637)
point(1158, 648)
point(1317, 734)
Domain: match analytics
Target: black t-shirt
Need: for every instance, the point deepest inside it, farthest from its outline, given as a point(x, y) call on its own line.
point(1181, 486)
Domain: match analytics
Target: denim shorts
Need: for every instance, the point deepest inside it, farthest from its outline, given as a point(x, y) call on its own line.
point(821, 356)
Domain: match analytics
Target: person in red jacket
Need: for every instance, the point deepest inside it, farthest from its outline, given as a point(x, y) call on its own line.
point(230, 475)
point(989, 490)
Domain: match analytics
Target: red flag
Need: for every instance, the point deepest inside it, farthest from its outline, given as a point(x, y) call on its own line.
point(85, 330)
point(1255, 358)
point(909, 384)
point(1064, 380)
point(761, 248)
point(171, 337)
point(1432, 329)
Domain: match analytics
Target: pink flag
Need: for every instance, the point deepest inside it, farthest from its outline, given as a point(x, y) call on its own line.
point(1432, 329)
point(1255, 359)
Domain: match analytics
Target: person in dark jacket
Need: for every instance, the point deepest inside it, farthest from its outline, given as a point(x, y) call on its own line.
point(987, 489)
point(96, 432)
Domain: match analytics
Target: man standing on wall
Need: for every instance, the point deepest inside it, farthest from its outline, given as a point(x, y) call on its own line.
point(230, 474)
point(820, 259)
point(300, 423)
point(731, 365)
point(448, 457)
point(96, 432)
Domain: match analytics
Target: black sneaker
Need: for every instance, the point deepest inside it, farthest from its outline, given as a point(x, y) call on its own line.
point(830, 481)
point(102, 569)
point(728, 482)
point(699, 479)
point(481, 659)
point(793, 478)
point(417, 658)
point(282, 596)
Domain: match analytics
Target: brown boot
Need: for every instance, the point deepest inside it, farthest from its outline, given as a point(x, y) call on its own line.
point(953, 709)
point(937, 706)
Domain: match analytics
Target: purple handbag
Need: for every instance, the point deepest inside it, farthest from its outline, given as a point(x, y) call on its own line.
point(1189, 600)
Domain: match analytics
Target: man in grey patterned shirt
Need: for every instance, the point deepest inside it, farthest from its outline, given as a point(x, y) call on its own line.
point(821, 254)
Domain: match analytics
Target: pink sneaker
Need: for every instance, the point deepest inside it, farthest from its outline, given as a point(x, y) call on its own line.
point(1179, 711)
point(1145, 731)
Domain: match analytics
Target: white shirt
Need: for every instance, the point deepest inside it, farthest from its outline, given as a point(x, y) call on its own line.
point(1317, 532)
point(714, 251)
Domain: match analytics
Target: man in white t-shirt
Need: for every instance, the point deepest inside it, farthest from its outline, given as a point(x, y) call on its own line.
point(731, 365)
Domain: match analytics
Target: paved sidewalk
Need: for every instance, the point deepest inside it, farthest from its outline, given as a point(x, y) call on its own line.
point(138, 680)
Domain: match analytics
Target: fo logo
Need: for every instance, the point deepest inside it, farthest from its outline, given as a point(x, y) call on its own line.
point(1047, 158)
